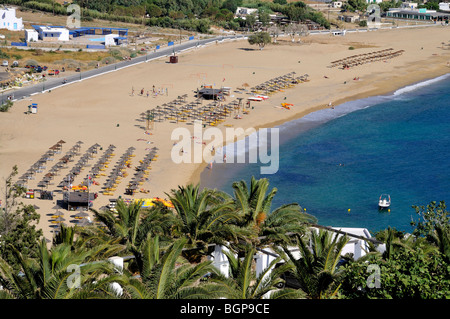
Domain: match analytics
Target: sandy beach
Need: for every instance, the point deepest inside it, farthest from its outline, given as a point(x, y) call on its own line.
point(103, 109)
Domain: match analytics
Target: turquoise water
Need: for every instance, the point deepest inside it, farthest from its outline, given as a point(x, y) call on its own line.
point(335, 160)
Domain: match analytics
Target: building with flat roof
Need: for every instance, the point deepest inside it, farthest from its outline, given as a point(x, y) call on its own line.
point(8, 20)
point(52, 33)
point(31, 35)
point(417, 14)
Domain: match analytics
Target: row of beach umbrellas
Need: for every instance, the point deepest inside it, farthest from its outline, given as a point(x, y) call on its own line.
point(278, 83)
point(142, 170)
point(40, 165)
point(100, 165)
point(366, 58)
point(118, 171)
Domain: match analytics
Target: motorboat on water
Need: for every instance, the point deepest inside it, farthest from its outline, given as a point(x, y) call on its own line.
point(384, 201)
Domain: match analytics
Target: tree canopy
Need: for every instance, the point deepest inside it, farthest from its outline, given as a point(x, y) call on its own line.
point(168, 252)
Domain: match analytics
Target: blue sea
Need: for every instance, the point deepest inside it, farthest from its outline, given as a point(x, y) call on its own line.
point(337, 162)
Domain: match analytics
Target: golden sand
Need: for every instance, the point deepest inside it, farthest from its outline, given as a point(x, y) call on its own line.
point(102, 109)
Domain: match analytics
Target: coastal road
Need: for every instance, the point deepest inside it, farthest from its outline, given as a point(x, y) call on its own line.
point(52, 83)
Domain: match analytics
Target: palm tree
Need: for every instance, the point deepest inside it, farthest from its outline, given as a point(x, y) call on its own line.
point(317, 269)
point(203, 217)
point(396, 241)
point(131, 224)
point(441, 238)
point(243, 283)
point(165, 274)
point(253, 204)
point(60, 273)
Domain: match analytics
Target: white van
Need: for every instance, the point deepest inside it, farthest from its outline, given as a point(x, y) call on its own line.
point(5, 63)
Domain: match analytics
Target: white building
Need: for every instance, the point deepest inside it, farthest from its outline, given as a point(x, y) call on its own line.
point(48, 33)
point(444, 6)
point(9, 21)
point(242, 12)
point(336, 4)
point(409, 5)
point(31, 35)
point(373, 1)
point(110, 39)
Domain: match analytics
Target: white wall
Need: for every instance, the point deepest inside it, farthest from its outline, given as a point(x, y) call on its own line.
point(9, 21)
point(31, 35)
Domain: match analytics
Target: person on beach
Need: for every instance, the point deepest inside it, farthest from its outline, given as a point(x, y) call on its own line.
point(132, 91)
point(147, 93)
point(142, 91)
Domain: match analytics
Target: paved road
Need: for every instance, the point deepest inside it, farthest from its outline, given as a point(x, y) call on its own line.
point(52, 83)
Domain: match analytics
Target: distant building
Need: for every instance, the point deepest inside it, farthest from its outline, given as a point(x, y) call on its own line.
point(444, 6)
point(111, 39)
point(9, 21)
point(242, 12)
point(31, 35)
point(336, 4)
point(409, 5)
point(417, 14)
point(349, 17)
point(374, 1)
point(50, 33)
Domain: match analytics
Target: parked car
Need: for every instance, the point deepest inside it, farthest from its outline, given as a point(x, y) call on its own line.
point(77, 70)
point(15, 64)
point(5, 63)
point(38, 69)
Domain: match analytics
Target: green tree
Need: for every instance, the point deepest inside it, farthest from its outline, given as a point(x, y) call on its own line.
point(6, 106)
point(153, 10)
point(250, 21)
point(260, 38)
point(243, 283)
point(353, 5)
point(203, 217)
point(410, 267)
point(130, 225)
point(165, 274)
point(17, 222)
point(253, 204)
point(406, 274)
point(429, 216)
point(231, 5)
point(60, 273)
point(264, 17)
point(317, 269)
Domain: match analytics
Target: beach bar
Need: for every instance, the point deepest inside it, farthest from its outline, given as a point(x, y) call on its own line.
point(75, 200)
point(210, 93)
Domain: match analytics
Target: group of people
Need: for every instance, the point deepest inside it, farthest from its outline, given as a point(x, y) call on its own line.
point(155, 91)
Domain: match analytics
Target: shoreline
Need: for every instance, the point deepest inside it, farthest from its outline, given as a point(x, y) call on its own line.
point(103, 109)
point(196, 176)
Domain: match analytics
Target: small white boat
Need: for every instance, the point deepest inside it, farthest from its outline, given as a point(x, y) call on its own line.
point(384, 201)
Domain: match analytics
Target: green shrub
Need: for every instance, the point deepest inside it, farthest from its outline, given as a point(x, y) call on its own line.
point(6, 106)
